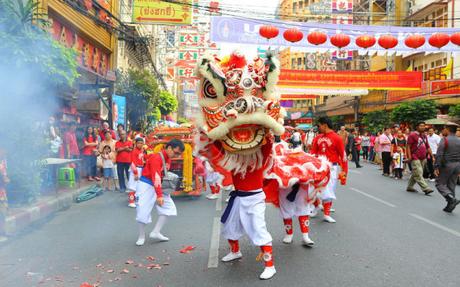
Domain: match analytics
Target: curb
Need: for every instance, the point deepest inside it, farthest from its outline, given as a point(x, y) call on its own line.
point(19, 221)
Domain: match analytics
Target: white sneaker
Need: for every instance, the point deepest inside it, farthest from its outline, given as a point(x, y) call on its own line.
point(329, 219)
point(140, 241)
point(306, 240)
point(432, 179)
point(268, 273)
point(232, 256)
point(314, 213)
point(133, 205)
point(158, 236)
point(288, 238)
point(212, 196)
point(228, 199)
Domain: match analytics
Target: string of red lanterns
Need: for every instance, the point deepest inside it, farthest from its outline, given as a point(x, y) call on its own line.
point(293, 35)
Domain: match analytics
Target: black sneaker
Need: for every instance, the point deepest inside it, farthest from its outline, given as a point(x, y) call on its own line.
point(411, 189)
point(451, 204)
point(428, 191)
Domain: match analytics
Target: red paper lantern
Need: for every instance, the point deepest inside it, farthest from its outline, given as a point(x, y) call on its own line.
point(455, 38)
point(268, 31)
point(340, 40)
point(388, 41)
point(317, 38)
point(365, 41)
point(293, 35)
point(439, 40)
point(415, 41)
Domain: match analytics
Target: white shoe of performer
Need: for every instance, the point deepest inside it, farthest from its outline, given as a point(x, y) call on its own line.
point(132, 205)
point(140, 241)
point(288, 238)
point(212, 196)
point(314, 213)
point(158, 236)
point(232, 256)
point(268, 273)
point(329, 219)
point(306, 240)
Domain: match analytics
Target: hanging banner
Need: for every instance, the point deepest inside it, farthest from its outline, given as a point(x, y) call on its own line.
point(118, 110)
point(342, 6)
point(351, 80)
point(246, 31)
point(445, 88)
point(177, 12)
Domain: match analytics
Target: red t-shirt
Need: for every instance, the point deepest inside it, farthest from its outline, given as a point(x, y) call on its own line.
point(137, 157)
point(89, 150)
point(253, 180)
point(418, 146)
point(331, 146)
point(71, 143)
point(153, 170)
point(123, 156)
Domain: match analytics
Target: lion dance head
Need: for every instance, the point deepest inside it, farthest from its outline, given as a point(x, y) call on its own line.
point(240, 107)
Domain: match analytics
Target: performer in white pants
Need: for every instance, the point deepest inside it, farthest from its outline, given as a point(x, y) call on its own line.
point(149, 192)
point(135, 172)
point(295, 202)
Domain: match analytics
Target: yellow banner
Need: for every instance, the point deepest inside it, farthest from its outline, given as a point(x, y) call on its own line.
point(174, 12)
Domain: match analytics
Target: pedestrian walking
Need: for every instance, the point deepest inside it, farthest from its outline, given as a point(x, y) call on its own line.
point(123, 148)
point(365, 144)
point(433, 141)
point(343, 135)
point(72, 150)
point(149, 192)
point(385, 147)
point(354, 142)
point(372, 148)
point(417, 151)
point(447, 166)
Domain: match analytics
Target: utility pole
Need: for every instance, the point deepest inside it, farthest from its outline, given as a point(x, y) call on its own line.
point(390, 11)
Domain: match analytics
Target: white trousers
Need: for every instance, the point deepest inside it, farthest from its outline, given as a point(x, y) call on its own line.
point(328, 193)
point(132, 183)
point(146, 200)
point(248, 217)
point(298, 207)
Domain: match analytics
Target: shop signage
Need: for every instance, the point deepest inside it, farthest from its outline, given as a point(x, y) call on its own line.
point(342, 6)
point(118, 110)
point(351, 80)
point(89, 56)
point(449, 87)
point(162, 12)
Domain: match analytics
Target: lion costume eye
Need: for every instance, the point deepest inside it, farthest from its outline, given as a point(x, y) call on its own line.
point(208, 90)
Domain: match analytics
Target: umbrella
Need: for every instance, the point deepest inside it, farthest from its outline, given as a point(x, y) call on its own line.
point(436, 121)
point(304, 126)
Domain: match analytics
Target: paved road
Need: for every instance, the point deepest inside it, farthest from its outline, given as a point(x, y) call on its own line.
point(384, 236)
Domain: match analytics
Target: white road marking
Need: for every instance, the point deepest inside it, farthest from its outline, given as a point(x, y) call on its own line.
point(213, 260)
point(442, 227)
point(219, 202)
point(373, 197)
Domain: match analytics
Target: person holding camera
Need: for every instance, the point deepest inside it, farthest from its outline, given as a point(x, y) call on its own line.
point(447, 166)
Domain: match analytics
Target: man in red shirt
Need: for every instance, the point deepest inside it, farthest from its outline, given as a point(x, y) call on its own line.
point(123, 148)
point(417, 150)
point(105, 128)
point(149, 193)
point(329, 144)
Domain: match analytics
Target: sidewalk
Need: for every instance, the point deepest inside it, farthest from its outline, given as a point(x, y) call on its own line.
point(20, 218)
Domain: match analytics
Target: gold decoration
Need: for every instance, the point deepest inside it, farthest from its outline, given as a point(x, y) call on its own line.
point(187, 168)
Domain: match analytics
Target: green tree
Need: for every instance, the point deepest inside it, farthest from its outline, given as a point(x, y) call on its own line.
point(414, 112)
point(167, 103)
point(454, 111)
point(376, 121)
point(142, 95)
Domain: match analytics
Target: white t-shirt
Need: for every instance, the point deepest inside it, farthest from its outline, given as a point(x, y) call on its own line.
point(434, 141)
point(296, 137)
point(107, 163)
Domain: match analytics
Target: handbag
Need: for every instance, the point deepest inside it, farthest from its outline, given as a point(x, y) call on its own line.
point(170, 179)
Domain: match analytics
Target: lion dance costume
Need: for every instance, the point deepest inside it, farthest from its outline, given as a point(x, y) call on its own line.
point(240, 115)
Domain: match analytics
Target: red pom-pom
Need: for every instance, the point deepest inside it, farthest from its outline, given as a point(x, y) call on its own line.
point(237, 60)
